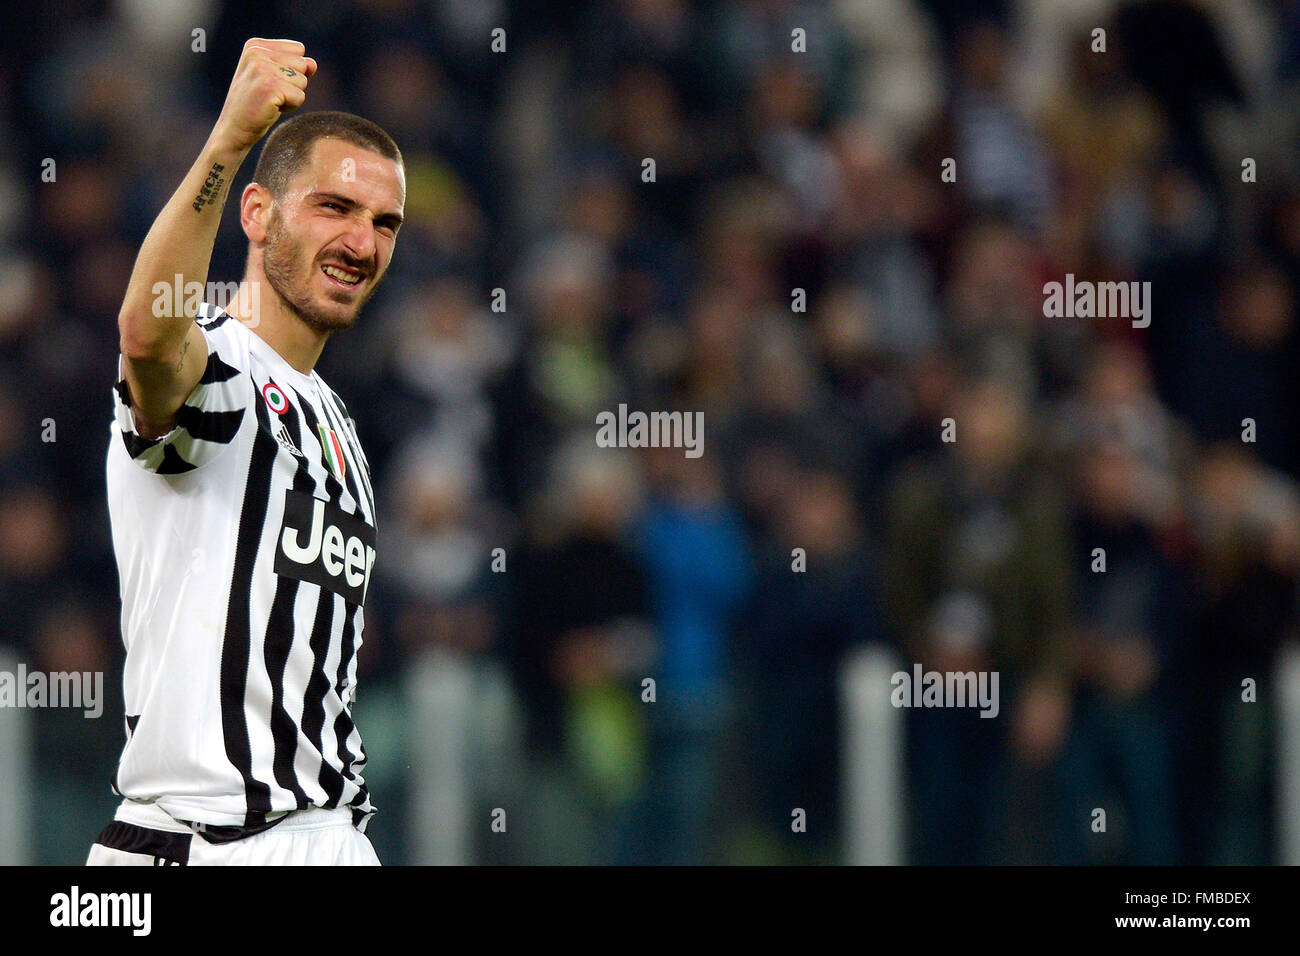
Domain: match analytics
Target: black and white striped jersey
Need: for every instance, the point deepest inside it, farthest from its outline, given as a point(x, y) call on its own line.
point(245, 543)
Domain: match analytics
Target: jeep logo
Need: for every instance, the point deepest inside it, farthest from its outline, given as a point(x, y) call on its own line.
point(325, 545)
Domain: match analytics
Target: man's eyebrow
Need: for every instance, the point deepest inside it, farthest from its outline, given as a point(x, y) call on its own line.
point(393, 219)
point(333, 197)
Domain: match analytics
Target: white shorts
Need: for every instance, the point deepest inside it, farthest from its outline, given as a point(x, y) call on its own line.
point(144, 835)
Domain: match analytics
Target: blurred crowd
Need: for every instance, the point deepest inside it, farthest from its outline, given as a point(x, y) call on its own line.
point(1107, 531)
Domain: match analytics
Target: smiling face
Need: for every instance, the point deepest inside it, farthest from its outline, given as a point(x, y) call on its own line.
point(329, 239)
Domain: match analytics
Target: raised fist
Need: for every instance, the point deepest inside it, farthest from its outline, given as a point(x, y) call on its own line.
point(270, 81)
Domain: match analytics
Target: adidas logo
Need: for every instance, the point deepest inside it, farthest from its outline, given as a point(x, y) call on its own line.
point(282, 436)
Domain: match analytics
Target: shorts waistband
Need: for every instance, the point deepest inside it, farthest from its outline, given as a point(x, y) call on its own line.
point(153, 817)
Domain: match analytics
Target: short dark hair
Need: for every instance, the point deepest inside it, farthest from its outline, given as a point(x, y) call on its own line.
point(290, 143)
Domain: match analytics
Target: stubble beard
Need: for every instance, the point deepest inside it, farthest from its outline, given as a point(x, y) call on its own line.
point(279, 261)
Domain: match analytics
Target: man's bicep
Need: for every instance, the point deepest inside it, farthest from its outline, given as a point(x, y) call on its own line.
point(205, 402)
point(158, 389)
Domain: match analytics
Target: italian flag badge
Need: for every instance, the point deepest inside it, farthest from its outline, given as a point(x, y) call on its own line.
point(332, 450)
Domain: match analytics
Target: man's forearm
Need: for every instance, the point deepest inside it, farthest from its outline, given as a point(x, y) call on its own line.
point(179, 243)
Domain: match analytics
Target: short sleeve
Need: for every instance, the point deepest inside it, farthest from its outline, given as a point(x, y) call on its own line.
point(210, 418)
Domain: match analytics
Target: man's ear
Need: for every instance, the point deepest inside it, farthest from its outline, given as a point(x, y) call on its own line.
point(255, 211)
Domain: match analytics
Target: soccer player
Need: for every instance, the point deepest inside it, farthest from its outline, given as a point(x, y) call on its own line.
point(242, 511)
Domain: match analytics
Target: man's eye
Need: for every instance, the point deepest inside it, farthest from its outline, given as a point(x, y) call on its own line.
point(332, 205)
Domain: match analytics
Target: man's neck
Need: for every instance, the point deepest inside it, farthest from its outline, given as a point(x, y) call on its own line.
point(275, 324)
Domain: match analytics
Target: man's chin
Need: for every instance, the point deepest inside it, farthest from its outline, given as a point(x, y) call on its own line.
point(329, 320)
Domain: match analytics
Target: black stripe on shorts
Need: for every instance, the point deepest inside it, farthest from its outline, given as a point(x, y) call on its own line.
point(172, 847)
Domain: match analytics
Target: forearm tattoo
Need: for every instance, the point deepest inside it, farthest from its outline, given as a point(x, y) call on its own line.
point(185, 347)
point(212, 189)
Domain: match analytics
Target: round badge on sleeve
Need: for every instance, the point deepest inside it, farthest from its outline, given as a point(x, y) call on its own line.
point(275, 398)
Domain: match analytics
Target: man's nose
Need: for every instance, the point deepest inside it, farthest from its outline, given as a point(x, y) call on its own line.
point(359, 240)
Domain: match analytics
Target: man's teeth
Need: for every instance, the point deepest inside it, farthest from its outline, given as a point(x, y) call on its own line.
point(351, 278)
